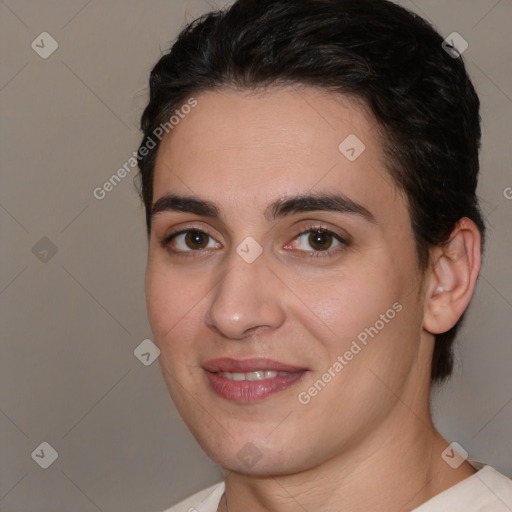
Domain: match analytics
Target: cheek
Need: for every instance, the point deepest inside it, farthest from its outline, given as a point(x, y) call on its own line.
point(167, 300)
point(346, 304)
point(175, 309)
point(158, 300)
point(367, 313)
point(380, 334)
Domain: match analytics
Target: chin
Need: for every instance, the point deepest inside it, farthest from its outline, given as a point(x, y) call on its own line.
point(254, 455)
point(260, 466)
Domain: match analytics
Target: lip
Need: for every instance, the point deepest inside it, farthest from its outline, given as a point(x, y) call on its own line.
point(250, 391)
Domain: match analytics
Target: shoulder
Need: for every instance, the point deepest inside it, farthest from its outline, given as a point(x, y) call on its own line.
point(206, 500)
point(485, 491)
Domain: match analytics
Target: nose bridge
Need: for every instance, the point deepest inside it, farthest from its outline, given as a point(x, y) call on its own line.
point(243, 297)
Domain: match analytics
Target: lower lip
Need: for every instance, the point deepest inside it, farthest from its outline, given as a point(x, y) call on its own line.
point(247, 391)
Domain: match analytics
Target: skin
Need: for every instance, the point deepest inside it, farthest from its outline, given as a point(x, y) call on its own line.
point(366, 441)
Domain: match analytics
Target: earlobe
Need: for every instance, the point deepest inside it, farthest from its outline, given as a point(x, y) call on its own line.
point(452, 279)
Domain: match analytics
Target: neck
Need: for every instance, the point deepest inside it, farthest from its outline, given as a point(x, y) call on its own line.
point(394, 469)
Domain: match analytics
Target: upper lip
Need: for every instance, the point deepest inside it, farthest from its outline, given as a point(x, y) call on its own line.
point(227, 364)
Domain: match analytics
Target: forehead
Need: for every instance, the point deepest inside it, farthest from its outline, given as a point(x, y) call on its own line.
point(242, 148)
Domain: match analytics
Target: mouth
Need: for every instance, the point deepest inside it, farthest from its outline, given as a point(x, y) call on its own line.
point(250, 380)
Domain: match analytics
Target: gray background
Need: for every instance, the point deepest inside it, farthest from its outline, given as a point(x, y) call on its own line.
point(71, 323)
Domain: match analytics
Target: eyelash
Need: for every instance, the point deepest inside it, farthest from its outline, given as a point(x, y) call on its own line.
point(328, 253)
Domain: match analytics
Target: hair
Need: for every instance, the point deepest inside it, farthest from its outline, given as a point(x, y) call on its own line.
point(389, 58)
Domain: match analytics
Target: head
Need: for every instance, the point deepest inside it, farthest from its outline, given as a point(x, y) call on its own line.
point(287, 130)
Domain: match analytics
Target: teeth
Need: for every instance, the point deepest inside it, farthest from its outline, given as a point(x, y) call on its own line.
point(257, 375)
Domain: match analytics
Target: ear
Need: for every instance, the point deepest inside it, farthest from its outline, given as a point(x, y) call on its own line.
point(453, 276)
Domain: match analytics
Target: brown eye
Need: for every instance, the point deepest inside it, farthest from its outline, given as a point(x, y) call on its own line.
point(320, 240)
point(317, 239)
point(189, 240)
point(196, 239)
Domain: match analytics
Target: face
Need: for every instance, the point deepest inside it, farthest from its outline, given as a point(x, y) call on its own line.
point(283, 294)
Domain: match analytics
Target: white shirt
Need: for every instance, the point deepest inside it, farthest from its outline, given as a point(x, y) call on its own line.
point(485, 491)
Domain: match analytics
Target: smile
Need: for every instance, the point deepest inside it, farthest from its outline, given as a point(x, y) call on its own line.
point(250, 380)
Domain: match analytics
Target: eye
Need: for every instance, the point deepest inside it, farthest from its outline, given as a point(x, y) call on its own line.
point(320, 240)
point(189, 241)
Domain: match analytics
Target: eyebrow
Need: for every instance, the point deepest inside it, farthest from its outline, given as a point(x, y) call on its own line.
point(281, 208)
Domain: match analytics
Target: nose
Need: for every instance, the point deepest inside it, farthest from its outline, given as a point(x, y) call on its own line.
point(247, 299)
